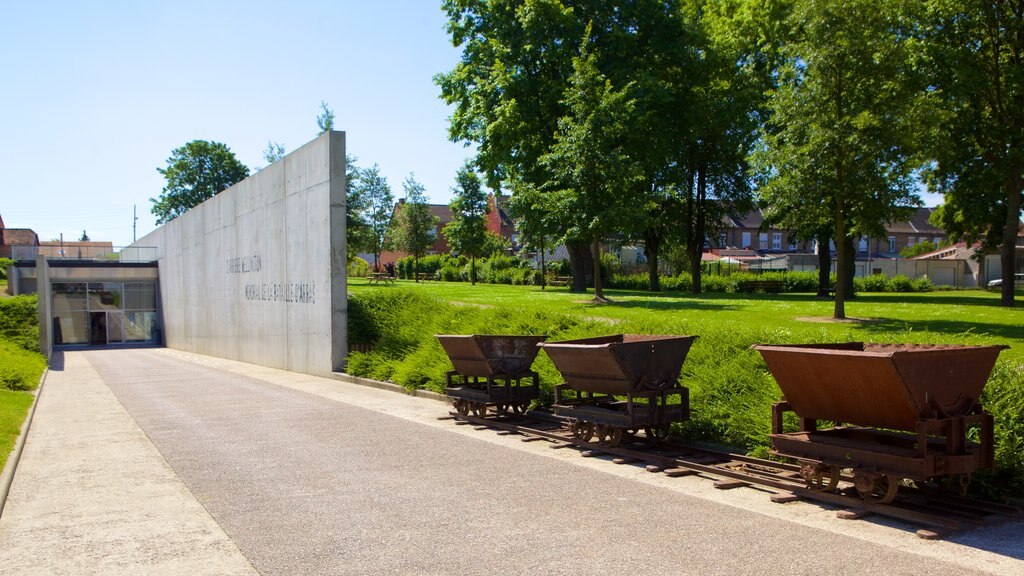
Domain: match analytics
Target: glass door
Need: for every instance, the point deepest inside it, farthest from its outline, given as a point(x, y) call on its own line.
point(115, 327)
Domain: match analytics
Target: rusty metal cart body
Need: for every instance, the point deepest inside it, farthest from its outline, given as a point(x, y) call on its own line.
point(491, 370)
point(899, 412)
point(621, 384)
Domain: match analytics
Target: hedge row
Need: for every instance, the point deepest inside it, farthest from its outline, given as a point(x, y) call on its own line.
point(731, 390)
point(21, 364)
point(511, 270)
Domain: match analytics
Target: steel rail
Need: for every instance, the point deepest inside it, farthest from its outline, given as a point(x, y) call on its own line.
point(942, 513)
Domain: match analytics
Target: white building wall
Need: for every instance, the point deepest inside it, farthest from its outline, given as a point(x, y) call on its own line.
point(257, 273)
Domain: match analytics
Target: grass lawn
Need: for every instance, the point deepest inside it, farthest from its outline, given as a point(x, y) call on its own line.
point(13, 410)
point(962, 317)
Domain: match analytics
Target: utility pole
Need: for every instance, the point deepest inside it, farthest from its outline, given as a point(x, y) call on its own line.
point(135, 220)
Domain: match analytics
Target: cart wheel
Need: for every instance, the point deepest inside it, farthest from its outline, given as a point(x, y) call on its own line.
point(875, 488)
point(480, 409)
point(521, 407)
point(609, 435)
point(502, 408)
point(461, 406)
point(582, 430)
point(658, 433)
point(820, 477)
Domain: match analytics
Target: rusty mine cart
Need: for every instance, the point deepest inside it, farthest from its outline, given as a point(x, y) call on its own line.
point(599, 372)
point(491, 370)
point(899, 412)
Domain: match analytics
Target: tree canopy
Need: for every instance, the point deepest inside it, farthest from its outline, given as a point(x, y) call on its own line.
point(373, 193)
point(840, 144)
point(467, 231)
point(975, 50)
point(196, 172)
point(414, 229)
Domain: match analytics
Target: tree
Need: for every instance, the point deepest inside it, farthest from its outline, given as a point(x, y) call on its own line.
point(196, 172)
point(509, 88)
point(373, 191)
point(467, 232)
point(84, 237)
point(976, 52)
point(590, 157)
point(535, 223)
point(325, 119)
point(358, 232)
point(273, 153)
point(415, 228)
point(842, 125)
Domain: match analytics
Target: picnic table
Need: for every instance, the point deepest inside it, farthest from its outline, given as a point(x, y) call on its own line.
point(378, 277)
point(424, 276)
point(561, 281)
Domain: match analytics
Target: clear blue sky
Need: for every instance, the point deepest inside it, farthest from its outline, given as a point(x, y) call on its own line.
point(95, 95)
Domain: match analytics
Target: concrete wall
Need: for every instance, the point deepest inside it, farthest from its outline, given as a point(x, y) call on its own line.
point(257, 273)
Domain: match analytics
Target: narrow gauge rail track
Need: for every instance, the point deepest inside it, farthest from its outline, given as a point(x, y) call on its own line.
point(937, 512)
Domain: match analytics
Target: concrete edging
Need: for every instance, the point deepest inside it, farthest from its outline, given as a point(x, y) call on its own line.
point(388, 386)
point(7, 477)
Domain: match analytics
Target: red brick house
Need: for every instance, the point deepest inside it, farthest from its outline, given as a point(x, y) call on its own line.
point(18, 243)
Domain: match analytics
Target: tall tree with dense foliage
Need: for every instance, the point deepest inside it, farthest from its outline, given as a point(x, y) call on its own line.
point(415, 228)
point(467, 232)
point(196, 172)
point(843, 120)
point(590, 157)
point(509, 90)
point(372, 190)
point(976, 49)
point(358, 232)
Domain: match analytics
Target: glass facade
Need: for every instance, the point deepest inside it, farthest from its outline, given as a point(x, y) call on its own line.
point(101, 313)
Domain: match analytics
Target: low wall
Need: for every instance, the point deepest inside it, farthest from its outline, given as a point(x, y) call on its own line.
point(257, 273)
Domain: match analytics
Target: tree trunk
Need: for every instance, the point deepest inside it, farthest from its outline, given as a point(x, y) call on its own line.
point(543, 268)
point(851, 266)
point(824, 266)
point(582, 262)
point(841, 256)
point(1008, 253)
point(472, 270)
point(652, 244)
point(416, 268)
point(598, 289)
point(696, 244)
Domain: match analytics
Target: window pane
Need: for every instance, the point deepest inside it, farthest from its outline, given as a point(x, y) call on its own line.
point(140, 326)
point(71, 327)
point(105, 296)
point(140, 296)
point(68, 296)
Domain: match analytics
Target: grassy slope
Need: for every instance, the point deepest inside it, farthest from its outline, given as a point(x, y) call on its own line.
point(968, 317)
point(13, 410)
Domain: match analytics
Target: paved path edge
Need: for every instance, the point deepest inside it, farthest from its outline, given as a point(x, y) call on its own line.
point(7, 478)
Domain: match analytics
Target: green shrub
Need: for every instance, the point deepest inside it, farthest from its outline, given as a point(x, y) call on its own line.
point(681, 282)
point(1004, 399)
point(19, 321)
point(358, 268)
point(922, 284)
point(901, 283)
point(873, 283)
point(20, 369)
point(4, 264)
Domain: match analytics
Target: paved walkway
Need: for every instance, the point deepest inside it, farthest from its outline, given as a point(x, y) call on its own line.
point(160, 462)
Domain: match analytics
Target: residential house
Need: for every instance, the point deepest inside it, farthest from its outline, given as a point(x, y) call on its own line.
point(18, 243)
